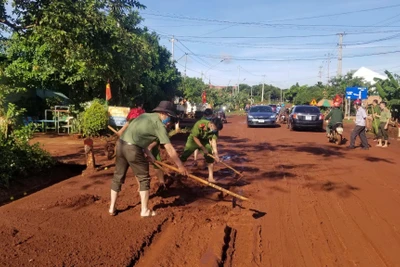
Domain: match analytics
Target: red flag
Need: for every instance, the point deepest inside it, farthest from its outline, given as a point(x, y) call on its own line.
point(108, 91)
point(204, 97)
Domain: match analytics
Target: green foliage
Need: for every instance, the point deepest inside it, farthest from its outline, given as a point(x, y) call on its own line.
point(19, 159)
point(192, 89)
point(389, 89)
point(95, 119)
point(76, 46)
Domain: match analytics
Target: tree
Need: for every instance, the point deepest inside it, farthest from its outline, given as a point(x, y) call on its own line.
point(75, 46)
point(389, 89)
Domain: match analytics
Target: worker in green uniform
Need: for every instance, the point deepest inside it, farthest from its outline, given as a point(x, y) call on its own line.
point(204, 136)
point(376, 112)
point(132, 149)
point(384, 118)
point(207, 115)
point(155, 151)
point(335, 116)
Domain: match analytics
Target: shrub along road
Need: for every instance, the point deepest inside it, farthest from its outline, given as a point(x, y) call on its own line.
point(311, 204)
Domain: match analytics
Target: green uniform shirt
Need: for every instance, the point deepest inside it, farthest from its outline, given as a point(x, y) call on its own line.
point(377, 110)
point(385, 116)
point(201, 131)
point(336, 116)
point(145, 129)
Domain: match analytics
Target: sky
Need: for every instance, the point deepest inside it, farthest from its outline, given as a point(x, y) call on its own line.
point(279, 42)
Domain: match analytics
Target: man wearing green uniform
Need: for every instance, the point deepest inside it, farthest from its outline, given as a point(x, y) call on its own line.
point(376, 112)
point(207, 115)
point(384, 117)
point(335, 116)
point(132, 148)
point(204, 136)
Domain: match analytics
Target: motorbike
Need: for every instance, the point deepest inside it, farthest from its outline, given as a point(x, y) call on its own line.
point(336, 134)
point(282, 118)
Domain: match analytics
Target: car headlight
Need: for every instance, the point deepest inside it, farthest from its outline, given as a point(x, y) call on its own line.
point(273, 116)
point(250, 117)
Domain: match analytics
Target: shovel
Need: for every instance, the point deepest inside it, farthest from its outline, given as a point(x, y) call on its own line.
point(198, 179)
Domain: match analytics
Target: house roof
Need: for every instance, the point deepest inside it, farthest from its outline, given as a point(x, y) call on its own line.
point(368, 75)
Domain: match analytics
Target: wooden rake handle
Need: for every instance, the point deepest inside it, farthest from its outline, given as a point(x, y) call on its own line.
point(226, 165)
point(112, 129)
point(204, 182)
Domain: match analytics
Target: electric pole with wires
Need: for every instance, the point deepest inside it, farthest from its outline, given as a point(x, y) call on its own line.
point(329, 55)
point(340, 55)
point(172, 51)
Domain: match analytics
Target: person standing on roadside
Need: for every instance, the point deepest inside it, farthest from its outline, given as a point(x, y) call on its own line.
point(359, 130)
point(132, 148)
point(376, 112)
point(383, 126)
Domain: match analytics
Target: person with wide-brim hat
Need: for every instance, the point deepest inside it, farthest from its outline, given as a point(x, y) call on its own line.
point(132, 148)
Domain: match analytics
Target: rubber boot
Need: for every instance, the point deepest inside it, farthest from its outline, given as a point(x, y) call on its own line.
point(144, 199)
point(379, 142)
point(385, 143)
point(114, 196)
point(211, 173)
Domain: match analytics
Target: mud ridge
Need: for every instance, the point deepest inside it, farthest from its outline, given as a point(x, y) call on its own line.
point(228, 248)
point(146, 243)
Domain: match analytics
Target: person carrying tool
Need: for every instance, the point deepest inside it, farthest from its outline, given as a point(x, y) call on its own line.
point(207, 115)
point(155, 150)
point(376, 112)
point(204, 136)
point(132, 148)
point(335, 116)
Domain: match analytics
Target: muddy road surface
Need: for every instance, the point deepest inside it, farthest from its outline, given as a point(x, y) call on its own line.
point(311, 204)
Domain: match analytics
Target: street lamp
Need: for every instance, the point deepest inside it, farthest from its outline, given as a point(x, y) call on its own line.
point(239, 84)
point(222, 60)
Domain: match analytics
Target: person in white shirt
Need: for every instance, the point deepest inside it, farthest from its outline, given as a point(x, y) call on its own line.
point(359, 130)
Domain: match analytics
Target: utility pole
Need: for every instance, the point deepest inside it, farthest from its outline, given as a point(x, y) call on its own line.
point(185, 63)
point(262, 91)
point(340, 55)
point(328, 62)
point(172, 41)
point(238, 80)
point(320, 73)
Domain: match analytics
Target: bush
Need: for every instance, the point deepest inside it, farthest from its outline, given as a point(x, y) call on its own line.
point(19, 159)
point(95, 119)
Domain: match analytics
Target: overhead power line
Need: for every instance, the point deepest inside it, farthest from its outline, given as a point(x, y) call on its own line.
point(299, 59)
point(339, 14)
point(252, 23)
point(282, 37)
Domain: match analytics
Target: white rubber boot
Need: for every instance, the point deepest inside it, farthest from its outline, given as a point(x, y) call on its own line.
point(114, 196)
point(144, 199)
point(211, 173)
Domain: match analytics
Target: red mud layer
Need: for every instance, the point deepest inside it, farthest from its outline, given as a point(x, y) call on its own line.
point(311, 204)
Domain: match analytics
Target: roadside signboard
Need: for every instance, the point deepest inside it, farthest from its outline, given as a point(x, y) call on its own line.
point(117, 116)
point(354, 93)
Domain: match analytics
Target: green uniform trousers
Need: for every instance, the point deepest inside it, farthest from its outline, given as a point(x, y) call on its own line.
point(129, 155)
point(191, 146)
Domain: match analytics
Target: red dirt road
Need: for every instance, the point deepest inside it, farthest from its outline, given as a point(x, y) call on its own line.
point(311, 204)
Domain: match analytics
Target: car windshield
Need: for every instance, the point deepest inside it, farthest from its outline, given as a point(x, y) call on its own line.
point(307, 110)
point(261, 109)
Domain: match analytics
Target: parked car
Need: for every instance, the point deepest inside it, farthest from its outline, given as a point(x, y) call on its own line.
point(305, 116)
point(261, 116)
point(221, 115)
